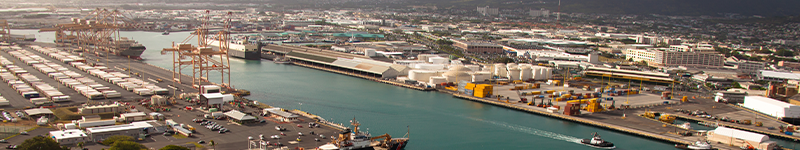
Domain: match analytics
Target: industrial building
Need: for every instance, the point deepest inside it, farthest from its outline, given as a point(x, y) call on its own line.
point(652, 77)
point(486, 11)
point(96, 109)
point(70, 136)
point(772, 107)
point(776, 76)
point(732, 97)
point(478, 47)
point(357, 64)
point(280, 114)
point(134, 129)
point(39, 112)
point(666, 58)
point(739, 138)
point(215, 99)
point(131, 117)
point(539, 13)
point(239, 117)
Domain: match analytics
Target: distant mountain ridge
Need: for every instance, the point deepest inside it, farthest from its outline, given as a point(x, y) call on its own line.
point(641, 7)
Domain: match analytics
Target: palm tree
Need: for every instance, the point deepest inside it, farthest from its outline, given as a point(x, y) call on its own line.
point(212, 144)
point(80, 144)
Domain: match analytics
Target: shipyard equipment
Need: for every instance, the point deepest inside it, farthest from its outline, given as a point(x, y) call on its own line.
point(202, 58)
point(5, 31)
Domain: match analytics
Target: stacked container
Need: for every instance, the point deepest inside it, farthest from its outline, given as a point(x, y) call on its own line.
point(483, 90)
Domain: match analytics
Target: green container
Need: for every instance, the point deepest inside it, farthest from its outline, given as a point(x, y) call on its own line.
point(213, 110)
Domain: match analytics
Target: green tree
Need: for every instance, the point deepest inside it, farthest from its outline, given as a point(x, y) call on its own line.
point(174, 147)
point(126, 145)
point(117, 138)
point(80, 144)
point(39, 142)
point(212, 144)
point(785, 53)
point(736, 85)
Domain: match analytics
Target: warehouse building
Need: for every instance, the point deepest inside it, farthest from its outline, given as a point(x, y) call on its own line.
point(772, 107)
point(134, 129)
point(775, 76)
point(280, 114)
point(131, 117)
point(478, 47)
point(352, 63)
point(739, 138)
point(239, 117)
point(96, 109)
point(71, 136)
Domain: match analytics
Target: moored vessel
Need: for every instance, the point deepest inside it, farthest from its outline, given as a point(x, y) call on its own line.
point(699, 145)
point(353, 139)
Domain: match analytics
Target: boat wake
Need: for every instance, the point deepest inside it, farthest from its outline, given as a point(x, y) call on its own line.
point(537, 132)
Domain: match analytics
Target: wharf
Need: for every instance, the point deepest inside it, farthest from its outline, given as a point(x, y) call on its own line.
point(366, 77)
point(737, 126)
point(597, 123)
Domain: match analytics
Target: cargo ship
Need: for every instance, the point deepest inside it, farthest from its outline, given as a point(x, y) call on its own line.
point(128, 47)
point(353, 139)
point(241, 49)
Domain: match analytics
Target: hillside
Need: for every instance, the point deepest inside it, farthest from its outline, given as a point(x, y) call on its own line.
point(665, 7)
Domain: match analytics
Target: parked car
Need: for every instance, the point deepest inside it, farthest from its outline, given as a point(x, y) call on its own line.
point(12, 147)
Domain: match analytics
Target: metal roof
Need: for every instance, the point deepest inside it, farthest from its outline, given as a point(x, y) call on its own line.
point(235, 114)
point(278, 112)
point(739, 134)
point(38, 111)
point(70, 133)
point(781, 75)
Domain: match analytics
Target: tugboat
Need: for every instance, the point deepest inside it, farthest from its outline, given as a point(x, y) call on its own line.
point(699, 145)
point(597, 142)
point(350, 140)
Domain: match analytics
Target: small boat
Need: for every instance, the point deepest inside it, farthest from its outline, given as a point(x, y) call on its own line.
point(165, 33)
point(281, 60)
point(699, 145)
point(597, 142)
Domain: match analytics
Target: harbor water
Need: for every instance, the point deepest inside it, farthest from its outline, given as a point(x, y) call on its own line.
point(435, 120)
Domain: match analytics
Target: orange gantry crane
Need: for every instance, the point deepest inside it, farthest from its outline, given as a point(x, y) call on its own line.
point(202, 58)
point(5, 31)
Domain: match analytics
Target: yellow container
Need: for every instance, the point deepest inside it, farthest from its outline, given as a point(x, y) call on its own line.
point(577, 78)
point(550, 91)
point(559, 99)
point(566, 95)
point(518, 81)
point(536, 92)
point(470, 86)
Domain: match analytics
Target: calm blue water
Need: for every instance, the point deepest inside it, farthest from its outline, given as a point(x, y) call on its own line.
point(436, 120)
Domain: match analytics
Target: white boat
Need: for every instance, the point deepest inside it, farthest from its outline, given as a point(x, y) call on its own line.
point(597, 142)
point(699, 145)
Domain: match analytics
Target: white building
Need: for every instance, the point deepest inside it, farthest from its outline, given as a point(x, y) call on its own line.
point(777, 76)
point(739, 138)
point(71, 136)
point(130, 117)
point(486, 11)
point(539, 13)
point(772, 107)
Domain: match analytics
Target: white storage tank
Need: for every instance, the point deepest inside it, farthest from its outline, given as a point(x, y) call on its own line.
point(526, 73)
point(437, 80)
point(548, 73)
point(421, 75)
point(473, 67)
point(369, 52)
point(511, 65)
point(429, 66)
point(500, 70)
point(481, 76)
point(438, 60)
point(537, 73)
point(513, 73)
